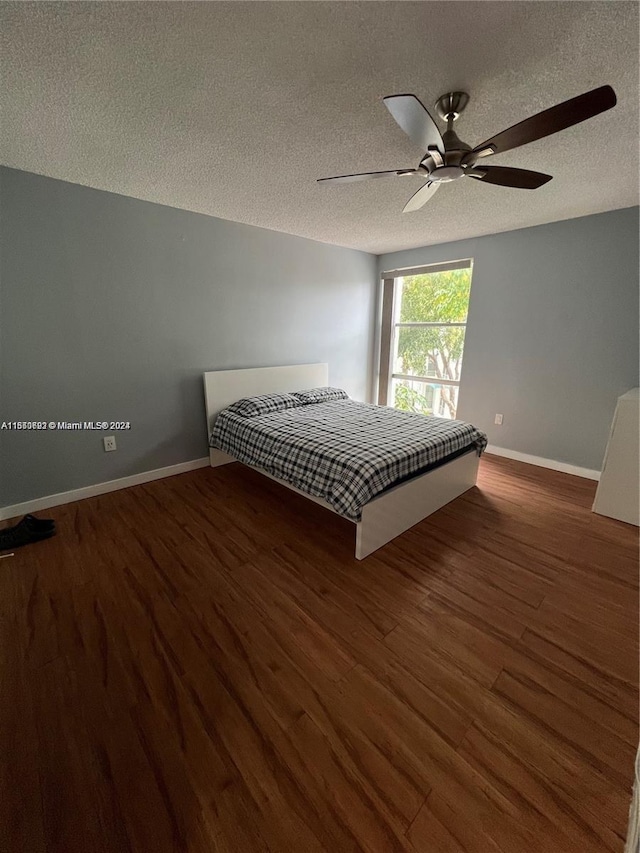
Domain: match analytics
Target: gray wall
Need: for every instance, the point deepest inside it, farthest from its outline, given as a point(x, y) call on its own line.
point(552, 334)
point(112, 308)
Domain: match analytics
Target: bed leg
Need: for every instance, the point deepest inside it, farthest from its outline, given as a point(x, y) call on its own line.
point(218, 457)
point(362, 550)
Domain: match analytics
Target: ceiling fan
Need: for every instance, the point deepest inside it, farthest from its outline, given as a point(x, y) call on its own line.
point(447, 158)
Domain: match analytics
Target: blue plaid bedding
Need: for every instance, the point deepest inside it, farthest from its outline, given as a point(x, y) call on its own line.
point(342, 451)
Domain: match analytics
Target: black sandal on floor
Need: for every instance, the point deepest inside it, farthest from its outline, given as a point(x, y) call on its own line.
point(37, 525)
point(16, 537)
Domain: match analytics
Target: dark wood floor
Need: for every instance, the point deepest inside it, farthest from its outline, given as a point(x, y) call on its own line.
point(199, 664)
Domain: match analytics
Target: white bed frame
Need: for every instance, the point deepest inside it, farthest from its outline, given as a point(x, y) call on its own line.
point(384, 517)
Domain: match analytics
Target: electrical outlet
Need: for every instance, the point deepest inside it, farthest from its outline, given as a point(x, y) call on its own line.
point(498, 420)
point(109, 442)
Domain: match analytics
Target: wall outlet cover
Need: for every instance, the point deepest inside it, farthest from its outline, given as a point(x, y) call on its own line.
point(109, 442)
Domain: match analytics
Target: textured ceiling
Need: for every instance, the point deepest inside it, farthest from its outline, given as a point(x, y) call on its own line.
point(234, 109)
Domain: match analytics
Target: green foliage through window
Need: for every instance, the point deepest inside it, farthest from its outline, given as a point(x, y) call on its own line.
point(436, 297)
point(431, 351)
point(408, 400)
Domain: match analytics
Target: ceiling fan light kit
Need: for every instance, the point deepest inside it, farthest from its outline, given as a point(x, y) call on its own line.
point(447, 158)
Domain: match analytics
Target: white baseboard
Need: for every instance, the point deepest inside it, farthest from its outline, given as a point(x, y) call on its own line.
point(633, 833)
point(100, 488)
point(541, 462)
point(147, 476)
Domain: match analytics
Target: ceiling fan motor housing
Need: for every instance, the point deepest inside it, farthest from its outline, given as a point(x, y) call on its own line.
point(454, 147)
point(454, 151)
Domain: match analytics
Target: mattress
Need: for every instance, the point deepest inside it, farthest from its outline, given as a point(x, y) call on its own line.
point(343, 451)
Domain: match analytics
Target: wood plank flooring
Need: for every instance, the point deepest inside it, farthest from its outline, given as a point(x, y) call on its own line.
point(200, 664)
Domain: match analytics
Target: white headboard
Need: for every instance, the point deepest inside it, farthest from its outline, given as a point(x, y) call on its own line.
point(223, 387)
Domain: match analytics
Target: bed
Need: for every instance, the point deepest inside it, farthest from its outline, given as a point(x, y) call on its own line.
point(379, 468)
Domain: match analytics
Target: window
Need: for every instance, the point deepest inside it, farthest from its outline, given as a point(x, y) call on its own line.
point(424, 320)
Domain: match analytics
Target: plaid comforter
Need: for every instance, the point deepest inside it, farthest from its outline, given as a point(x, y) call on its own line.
point(342, 451)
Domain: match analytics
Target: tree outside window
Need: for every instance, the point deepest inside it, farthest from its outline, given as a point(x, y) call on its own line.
point(428, 340)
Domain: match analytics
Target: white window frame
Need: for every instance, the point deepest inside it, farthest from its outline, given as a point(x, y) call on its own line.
point(390, 304)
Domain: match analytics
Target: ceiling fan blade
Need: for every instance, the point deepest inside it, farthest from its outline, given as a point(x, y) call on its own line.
point(365, 176)
point(503, 176)
point(421, 197)
point(414, 119)
point(547, 122)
